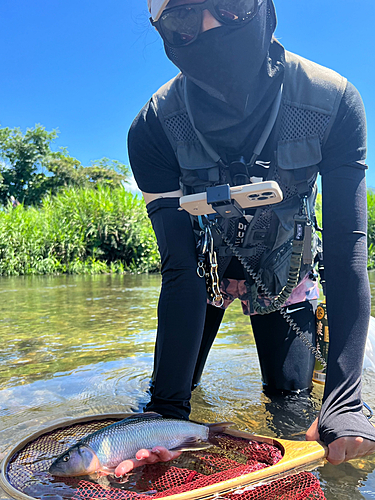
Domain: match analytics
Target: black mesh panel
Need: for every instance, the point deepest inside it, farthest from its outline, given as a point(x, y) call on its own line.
point(180, 127)
point(298, 123)
point(253, 261)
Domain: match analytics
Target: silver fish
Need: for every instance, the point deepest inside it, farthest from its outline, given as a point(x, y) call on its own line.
point(103, 450)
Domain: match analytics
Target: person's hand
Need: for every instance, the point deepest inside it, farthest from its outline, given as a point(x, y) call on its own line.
point(143, 457)
point(344, 448)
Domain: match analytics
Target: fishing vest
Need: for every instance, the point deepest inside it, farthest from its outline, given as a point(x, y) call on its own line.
point(310, 101)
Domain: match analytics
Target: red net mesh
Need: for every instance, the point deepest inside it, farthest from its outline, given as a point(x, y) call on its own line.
point(302, 486)
point(230, 458)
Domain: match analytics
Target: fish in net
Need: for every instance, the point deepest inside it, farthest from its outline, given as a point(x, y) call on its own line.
point(231, 457)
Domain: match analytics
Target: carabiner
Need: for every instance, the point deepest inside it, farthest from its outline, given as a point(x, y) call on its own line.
point(201, 270)
point(305, 210)
point(204, 247)
point(369, 409)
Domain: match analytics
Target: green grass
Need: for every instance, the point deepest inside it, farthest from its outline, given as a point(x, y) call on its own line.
point(370, 224)
point(93, 231)
point(80, 231)
point(371, 228)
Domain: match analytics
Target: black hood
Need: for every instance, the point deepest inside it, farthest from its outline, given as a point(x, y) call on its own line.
point(233, 77)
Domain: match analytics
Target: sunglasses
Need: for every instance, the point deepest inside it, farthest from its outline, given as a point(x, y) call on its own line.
point(181, 25)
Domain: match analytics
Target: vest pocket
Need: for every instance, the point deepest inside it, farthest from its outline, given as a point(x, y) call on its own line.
point(274, 270)
point(198, 169)
point(298, 159)
point(299, 153)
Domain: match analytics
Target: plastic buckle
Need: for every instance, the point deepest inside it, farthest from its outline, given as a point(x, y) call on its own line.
point(300, 222)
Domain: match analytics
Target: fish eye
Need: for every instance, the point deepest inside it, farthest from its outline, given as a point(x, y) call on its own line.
point(66, 457)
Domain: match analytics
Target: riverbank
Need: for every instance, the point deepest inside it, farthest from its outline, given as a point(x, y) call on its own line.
point(78, 231)
point(93, 231)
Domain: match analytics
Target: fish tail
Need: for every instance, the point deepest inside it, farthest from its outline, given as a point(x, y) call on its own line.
point(217, 428)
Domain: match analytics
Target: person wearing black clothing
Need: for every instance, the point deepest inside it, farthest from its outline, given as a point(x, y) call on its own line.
point(232, 72)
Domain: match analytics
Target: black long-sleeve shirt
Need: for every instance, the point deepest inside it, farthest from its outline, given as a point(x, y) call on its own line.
point(342, 168)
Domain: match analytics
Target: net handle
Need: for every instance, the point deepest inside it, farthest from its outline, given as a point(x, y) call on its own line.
point(298, 456)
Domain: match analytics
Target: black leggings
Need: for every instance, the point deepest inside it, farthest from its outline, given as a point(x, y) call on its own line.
point(286, 363)
point(187, 327)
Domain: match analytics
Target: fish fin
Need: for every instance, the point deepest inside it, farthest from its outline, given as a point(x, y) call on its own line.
point(191, 443)
point(105, 471)
point(217, 428)
point(150, 414)
point(99, 474)
point(142, 416)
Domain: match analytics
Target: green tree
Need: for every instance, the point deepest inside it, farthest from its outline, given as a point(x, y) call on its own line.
point(65, 171)
point(107, 172)
point(22, 165)
point(29, 168)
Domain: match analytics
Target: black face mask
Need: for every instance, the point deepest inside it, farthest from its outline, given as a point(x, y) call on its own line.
point(230, 71)
point(225, 62)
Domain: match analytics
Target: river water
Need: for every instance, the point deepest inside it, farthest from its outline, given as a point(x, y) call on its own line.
point(82, 345)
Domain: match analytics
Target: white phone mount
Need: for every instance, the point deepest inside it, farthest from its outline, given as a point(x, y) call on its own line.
point(240, 197)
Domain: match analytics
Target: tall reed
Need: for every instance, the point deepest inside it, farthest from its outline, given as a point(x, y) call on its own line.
point(78, 231)
point(85, 230)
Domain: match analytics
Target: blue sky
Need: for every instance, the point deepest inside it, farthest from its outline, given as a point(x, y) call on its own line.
point(86, 67)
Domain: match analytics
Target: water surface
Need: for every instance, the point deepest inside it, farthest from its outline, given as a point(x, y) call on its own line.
point(81, 345)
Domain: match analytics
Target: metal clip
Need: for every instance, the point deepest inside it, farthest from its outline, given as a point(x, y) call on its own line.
point(213, 273)
point(304, 230)
point(305, 210)
point(203, 248)
point(208, 266)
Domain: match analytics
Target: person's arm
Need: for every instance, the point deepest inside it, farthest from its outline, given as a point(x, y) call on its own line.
point(152, 159)
point(182, 303)
point(342, 424)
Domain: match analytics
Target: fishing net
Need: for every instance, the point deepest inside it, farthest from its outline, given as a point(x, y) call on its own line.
point(231, 457)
